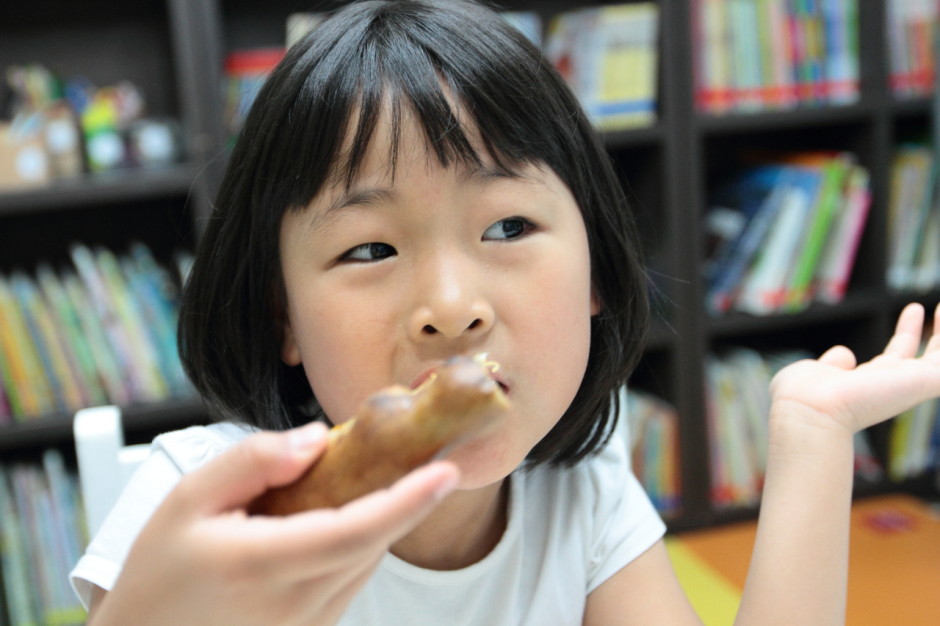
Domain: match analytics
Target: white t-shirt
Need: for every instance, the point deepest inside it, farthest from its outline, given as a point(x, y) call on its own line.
point(569, 530)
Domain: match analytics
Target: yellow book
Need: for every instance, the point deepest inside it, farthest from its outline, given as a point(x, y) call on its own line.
point(20, 355)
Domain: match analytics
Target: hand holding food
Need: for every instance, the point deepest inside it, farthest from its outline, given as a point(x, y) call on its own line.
point(395, 431)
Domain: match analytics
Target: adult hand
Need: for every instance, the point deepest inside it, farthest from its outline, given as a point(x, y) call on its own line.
point(833, 391)
point(201, 559)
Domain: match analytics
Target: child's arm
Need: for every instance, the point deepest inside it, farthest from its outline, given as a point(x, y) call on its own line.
point(202, 560)
point(798, 573)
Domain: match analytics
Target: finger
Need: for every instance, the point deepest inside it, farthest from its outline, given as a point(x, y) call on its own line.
point(933, 346)
point(243, 472)
point(362, 528)
point(906, 339)
point(393, 512)
point(839, 356)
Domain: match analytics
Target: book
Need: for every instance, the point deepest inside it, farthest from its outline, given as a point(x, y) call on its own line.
point(29, 379)
point(75, 342)
point(300, 24)
point(14, 559)
point(50, 345)
point(914, 174)
point(828, 203)
point(145, 361)
point(5, 415)
point(244, 73)
point(911, 32)
point(737, 383)
point(764, 287)
point(835, 271)
point(106, 364)
point(41, 541)
point(107, 305)
point(711, 32)
point(654, 442)
point(761, 197)
point(753, 55)
point(926, 275)
point(609, 56)
point(913, 441)
point(526, 22)
point(156, 294)
point(12, 405)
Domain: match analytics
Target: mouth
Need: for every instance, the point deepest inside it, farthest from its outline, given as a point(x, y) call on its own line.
point(491, 367)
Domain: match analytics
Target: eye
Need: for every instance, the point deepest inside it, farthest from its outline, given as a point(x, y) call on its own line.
point(509, 228)
point(369, 252)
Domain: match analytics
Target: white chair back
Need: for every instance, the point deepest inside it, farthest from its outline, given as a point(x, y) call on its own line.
point(104, 463)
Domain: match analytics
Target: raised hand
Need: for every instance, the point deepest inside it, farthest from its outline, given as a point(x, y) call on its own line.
point(201, 559)
point(835, 392)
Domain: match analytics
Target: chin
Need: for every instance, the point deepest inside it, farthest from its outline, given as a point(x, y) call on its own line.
point(484, 462)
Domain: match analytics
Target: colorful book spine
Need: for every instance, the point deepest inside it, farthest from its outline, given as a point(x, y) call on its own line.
point(756, 55)
point(737, 412)
point(764, 287)
point(912, 247)
point(29, 379)
point(828, 204)
point(609, 56)
point(832, 280)
point(654, 443)
point(911, 32)
point(68, 324)
point(41, 538)
point(109, 336)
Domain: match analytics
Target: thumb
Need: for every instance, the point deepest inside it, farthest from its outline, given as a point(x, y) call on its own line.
point(839, 356)
point(245, 471)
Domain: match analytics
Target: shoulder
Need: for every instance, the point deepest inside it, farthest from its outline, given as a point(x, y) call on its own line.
point(600, 502)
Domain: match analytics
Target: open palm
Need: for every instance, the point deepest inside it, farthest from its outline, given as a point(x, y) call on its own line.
point(834, 391)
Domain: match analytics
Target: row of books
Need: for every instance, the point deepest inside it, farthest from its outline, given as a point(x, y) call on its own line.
point(42, 535)
point(243, 74)
point(914, 440)
point(914, 220)
point(912, 26)
point(738, 405)
point(609, 56)
point(654, 443)
point(914, 444)
point(100, 331)
point(785, 232)
point(607, 53)
point(755, 55)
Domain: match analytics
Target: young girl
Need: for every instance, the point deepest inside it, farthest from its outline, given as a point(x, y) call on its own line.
point(415, 182)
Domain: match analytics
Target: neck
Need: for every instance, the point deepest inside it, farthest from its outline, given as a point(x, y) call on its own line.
point(463, 529)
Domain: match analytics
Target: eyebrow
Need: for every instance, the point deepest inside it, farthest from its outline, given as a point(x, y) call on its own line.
point(480, 175)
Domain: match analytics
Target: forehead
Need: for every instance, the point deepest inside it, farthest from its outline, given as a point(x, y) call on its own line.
point(383, 133)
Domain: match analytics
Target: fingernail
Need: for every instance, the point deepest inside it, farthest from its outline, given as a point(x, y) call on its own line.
point(306, 436)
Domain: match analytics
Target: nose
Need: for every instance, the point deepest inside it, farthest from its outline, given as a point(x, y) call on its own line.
point(450, 303)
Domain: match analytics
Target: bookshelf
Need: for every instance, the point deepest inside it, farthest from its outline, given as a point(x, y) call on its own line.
point(668, 169)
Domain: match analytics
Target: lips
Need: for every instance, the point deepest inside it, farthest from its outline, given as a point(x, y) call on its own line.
point(428, 375)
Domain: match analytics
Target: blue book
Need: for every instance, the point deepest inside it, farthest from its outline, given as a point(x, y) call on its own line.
point(760, 197)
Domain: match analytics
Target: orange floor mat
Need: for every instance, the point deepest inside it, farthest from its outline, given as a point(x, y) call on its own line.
point(894, 564)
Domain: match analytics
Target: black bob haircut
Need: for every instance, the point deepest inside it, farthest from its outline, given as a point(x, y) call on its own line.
point(334, 86)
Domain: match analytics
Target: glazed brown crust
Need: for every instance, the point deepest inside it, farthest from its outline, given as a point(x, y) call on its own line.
point(395, 431)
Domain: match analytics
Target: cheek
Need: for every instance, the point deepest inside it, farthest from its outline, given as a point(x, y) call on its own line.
point(331, 343)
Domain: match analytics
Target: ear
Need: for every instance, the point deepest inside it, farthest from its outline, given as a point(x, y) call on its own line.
point(596, 305)
point(290, 351)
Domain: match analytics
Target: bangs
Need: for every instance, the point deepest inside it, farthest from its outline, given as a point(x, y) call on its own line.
point(402, 68)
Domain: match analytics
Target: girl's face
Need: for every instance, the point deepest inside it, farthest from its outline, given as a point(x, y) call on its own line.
point(391, 277)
